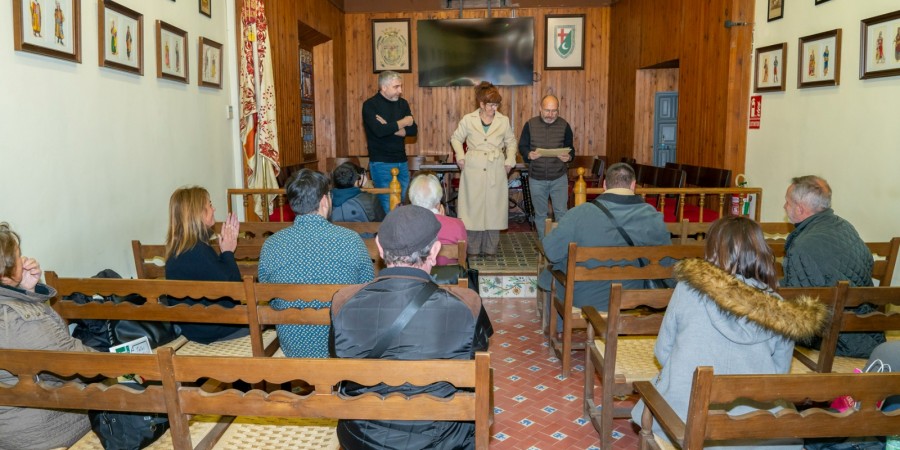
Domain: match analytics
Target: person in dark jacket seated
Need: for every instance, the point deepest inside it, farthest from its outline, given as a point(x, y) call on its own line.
point(349, 202)
point(824, 249)
point(190, 257)
point(450, 324)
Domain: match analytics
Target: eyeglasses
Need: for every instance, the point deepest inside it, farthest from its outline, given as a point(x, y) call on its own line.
point(492, 105)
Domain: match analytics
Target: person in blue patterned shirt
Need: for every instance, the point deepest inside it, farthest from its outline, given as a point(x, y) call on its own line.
point(311, 251)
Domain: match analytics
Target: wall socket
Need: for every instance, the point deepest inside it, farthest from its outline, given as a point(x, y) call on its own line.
point(229, 112)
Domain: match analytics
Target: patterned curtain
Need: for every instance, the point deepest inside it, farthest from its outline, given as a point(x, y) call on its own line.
point(258, 126)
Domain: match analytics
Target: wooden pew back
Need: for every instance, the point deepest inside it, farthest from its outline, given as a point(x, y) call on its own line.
point(708, 420)
point(885, 254)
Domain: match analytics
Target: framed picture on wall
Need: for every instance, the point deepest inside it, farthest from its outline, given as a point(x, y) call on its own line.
point(121, 37)
point(171, 52)
point(879, 55)
point(206, 7)
point(49, 28)
point(390, 45)
point(209, 55)
point(564, 49)
point(819, 62)
point(776, 9)
point(769, 68)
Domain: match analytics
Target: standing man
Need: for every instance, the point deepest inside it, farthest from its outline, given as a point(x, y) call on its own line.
point(547, 175)
point(824, 249)
point(404, 315)
point(387, 120)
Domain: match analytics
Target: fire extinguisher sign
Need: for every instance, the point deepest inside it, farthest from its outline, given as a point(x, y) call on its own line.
point(755, 111)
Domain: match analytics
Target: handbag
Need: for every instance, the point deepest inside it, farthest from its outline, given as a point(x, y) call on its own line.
point(101, 334)
point(660, 283)
point(127, 430)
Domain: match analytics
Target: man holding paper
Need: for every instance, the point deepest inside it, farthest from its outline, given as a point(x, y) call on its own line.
point(546, 146)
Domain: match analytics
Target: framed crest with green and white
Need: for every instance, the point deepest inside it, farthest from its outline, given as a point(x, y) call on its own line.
point(565, 42)
point(390, 45)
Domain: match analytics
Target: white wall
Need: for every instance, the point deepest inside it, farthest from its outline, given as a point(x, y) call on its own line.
point(90, 155)
point(848, 134)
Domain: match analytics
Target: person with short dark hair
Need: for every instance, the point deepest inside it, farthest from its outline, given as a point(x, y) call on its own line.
point(548, 178)
point(311, 251)
point(27, 322)
point(451, 323)
point(824, 249)
point(387, 121)
point(588, 226)
point(350, 203)
point(725, 313)
point(484, 166)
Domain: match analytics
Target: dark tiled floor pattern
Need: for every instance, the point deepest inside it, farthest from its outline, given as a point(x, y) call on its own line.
point(534, 407)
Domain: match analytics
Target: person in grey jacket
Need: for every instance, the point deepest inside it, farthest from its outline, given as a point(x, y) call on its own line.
point(824, 249)
point(725, 313)
point(588, 226)
point(28, 322)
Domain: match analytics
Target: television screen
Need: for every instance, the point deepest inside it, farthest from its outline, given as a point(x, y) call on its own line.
point(465, 52)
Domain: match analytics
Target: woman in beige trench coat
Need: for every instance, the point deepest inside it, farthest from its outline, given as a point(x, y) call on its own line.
point(489, 156)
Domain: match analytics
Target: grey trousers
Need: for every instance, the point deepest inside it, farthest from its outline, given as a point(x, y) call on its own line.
point(483, 242)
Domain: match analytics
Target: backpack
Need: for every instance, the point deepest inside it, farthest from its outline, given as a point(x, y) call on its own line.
point(350, 211)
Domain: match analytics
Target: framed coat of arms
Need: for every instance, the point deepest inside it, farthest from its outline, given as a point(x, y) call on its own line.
point(390, 45)
point(565, 42)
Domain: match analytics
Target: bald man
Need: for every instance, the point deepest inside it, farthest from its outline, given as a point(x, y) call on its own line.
point(547, 175)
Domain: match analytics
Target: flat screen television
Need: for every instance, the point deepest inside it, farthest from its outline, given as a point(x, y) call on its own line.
point(465, 52)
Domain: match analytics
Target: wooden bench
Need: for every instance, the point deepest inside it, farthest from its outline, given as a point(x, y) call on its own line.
point(845, 320)
point(884, 253)
point(176, 391)
point(577, 273)
point(707, 419)
point(278, 197)
point(620, 346)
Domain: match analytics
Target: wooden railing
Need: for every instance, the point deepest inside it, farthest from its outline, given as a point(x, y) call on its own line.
point(279, 199)
point(715, 199)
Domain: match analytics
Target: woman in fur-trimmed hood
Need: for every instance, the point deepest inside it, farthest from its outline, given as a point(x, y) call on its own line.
point(725, 313)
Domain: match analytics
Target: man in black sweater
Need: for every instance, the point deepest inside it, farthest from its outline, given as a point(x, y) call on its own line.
point(387, 121)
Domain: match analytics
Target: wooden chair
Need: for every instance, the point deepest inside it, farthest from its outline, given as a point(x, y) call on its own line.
point(149, 260)
point(263, 316)
point(576, 273)
point(457, 252)
point(708, 418)
point(543, 297)
point(620, 347)
point(885, 254)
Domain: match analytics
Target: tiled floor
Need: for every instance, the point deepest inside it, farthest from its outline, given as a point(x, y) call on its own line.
point(534, 407)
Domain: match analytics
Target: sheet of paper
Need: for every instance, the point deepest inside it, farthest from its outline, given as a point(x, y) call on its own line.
point(552, 151)
point(139, 345)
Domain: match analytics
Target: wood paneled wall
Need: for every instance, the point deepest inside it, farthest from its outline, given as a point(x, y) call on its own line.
point(713, 81)
point(583, 93)
point(329, 69)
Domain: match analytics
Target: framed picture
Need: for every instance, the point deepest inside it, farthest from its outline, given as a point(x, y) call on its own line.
point(171, 52)
point(206, 7)
point(119, 25)
point(565, 42)
point(48, 27)
point(776, 9)
point(819, 63)
point(209, 53)
point(390, 45)
point(769, 68)
point(877, 34)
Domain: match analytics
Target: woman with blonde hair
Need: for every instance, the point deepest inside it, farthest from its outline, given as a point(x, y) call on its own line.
point(484, 165)
point(190, 257)
point(27, 322)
